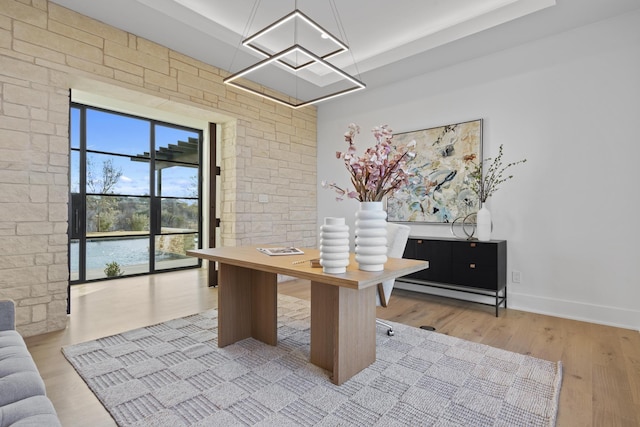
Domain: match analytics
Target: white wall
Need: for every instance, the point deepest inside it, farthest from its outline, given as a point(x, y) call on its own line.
point(570, 104)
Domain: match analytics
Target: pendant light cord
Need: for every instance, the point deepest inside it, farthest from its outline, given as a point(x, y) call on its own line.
point(343, 33)
point(295, 41)
point(245, 32)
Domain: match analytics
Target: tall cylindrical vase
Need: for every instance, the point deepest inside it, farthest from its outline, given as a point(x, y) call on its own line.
point(483, 221)
point(371, 236)
point(334, 245)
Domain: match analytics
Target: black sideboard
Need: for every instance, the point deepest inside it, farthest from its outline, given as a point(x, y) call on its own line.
point(468, 266)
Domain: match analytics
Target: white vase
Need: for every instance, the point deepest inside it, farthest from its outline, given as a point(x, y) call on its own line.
point(371, 236)
point(483, 222)
point(334, 245)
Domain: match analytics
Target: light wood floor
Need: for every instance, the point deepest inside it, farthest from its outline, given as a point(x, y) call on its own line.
point(601, 378)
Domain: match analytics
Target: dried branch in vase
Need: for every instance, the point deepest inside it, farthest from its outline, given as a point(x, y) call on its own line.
point(487, 176)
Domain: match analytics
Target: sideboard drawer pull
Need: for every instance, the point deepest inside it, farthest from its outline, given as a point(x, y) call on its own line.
point(472, 266)
point(473, 245)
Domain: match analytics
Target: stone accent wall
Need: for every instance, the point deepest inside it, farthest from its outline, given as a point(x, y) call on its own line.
point(267, 149)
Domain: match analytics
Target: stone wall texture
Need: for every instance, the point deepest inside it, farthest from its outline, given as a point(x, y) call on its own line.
point(267, 149)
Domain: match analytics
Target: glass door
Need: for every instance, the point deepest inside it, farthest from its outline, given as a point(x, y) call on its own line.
point(176, 199)
point(135, 195)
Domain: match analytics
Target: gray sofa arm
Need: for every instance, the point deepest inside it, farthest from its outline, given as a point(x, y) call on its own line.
point(7, 315)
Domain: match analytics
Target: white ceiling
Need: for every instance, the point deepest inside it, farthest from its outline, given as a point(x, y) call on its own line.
point(388, 40)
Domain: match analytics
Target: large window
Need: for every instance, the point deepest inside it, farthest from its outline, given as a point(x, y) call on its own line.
point(135, 195)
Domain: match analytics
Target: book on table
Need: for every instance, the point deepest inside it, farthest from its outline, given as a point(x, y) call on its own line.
point(281, 251)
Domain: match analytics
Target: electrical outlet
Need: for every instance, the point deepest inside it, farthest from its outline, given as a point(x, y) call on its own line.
point(516, 277)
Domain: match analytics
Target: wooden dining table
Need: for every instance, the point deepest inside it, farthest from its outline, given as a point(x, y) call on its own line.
point(343, 306)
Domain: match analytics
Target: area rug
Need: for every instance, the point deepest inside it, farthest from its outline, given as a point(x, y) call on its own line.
point(173, 374)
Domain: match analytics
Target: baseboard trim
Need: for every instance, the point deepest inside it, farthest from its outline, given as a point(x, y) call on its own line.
point(584, 312)
point(574, 310)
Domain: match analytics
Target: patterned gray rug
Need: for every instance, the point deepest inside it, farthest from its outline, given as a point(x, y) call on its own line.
point(173, 374)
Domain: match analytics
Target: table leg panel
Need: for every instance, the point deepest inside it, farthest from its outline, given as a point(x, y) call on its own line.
point(323, 324)
point(234, 304)
point(356, 339)
point(247, 305)
point(264, 307)
point(343, 337)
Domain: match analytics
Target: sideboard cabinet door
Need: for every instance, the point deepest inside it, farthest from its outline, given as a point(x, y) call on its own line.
point(438, 253)
point(475, 264)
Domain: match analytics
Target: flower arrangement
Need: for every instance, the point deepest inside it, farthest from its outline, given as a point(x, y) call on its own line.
point(484, 184)
point(380, 171)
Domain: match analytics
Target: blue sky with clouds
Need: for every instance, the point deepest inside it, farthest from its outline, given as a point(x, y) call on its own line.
point(114, 133)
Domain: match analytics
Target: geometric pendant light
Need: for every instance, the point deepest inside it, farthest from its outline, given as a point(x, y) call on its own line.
point(303, 60)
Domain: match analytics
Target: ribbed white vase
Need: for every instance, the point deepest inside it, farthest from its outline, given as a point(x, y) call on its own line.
point(483, 224)
point(371, 236)
point(334, 245)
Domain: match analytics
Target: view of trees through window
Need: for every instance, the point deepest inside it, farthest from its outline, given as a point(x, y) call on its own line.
point(135, 194)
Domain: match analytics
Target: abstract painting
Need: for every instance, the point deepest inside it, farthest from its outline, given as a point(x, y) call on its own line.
point(439, 190)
